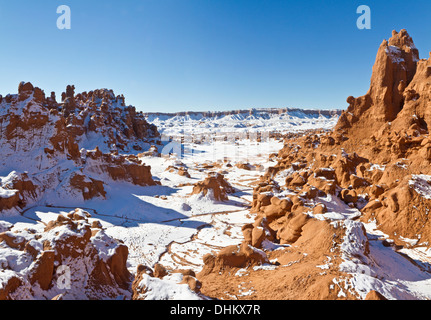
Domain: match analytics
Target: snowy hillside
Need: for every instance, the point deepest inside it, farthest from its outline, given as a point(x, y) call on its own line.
point(253, 120)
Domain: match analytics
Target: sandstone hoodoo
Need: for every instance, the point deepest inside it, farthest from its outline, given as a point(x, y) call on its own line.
point(394, 69)
point(70, 149)
point(321, 205)
point(214, 186)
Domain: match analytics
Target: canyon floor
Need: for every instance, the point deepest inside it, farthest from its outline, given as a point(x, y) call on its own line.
point(167, 224)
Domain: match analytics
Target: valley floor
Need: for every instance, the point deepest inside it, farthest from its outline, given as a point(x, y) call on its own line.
point(165, 224)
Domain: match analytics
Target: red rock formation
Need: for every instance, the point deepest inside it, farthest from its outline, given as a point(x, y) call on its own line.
point(239, 256)
point(15, 189)
point(180, 170)
point(392, 129)
point(144, 277)
point(215, 183)
point(96, 263)
point(101, 112)
point(45, 144)
point(394, 69)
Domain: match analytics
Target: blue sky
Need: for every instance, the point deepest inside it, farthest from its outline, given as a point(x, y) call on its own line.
point(176, 55)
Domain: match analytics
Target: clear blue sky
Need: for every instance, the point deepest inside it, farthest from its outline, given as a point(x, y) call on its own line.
point(176, 55)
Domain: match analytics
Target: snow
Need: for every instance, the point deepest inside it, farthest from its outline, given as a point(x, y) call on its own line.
point(395, 53)
point(5, 226)
point(266, 267)
point(422, 185)
point(165, 289)
point(5, 193)
point(377, 167)
point(336, 209)
point(382, 268)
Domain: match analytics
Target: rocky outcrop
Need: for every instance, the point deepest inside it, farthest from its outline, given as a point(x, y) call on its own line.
point(238, 256)
point(70, 256)
point(101, 113)
point(179, 169)
point(392, 129)
point(70, 149)
point(181, 284)
point(118, 167)
point(287, 273)
point(14, 190)
point(402, 211)
point(394, 69)
point(215, 186)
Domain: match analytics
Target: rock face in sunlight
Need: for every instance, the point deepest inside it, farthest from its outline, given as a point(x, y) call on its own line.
point(99, 118)
point(69, 150)
point(70, 258)
point(390, 91)
point(331, 193)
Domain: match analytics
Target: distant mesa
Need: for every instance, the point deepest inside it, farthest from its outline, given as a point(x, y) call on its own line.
point(252, 111)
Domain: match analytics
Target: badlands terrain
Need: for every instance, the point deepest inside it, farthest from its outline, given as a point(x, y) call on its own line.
point(100, 201)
